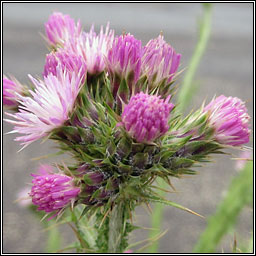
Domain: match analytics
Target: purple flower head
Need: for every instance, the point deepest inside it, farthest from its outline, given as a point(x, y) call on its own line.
point(60, 28)
point(11, 89)
point(124, 59)
point(159, 61)
point(68, 61)
point(145, 117)
point(93, 48)
point(48, 108)
point(230, 120)
point(53, 192)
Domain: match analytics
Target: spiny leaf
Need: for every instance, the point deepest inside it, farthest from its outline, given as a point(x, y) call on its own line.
point(123, 90)
point(83, 243)
point(153, 240)
point(167, 202)
point(124, 147)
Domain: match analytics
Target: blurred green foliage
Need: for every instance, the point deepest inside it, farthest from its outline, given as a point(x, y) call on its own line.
point(239, 195)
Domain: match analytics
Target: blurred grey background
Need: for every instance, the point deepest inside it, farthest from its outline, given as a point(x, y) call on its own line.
point(226, 68)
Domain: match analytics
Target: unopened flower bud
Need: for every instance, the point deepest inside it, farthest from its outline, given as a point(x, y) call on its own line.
point(68, 62)
point(160, 61)
point(60, 28)
point(145, 117)
point(52, 192)
point(230, 120)
point(124, 61)
point(93, 178)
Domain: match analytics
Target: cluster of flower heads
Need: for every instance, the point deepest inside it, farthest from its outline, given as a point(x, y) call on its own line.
point(139, 78)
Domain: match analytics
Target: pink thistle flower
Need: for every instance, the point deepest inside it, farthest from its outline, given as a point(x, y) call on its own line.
point(93, 48)
point(160, 61)
point(229, 118)
point(48, 108)
point(145, 117)
point(10, 90)
point(53, 192)
point(68, 61)
point(124, 60)
point(60, 28)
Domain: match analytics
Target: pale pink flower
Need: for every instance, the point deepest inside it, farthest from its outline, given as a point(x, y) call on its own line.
point(68, 61)
point(10, 90)
point(145, 117)
point(49, 107)
point(160, 61)
point(230, 120)
point(93, 48)
point(60, 28)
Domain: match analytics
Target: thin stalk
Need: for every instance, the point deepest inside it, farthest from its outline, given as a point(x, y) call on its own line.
point(116, 228)
point(184, 96)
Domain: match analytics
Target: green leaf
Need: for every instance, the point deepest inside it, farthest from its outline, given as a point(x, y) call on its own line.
point(166, 154)
point(85, 210)
point(123, 90)
point(125, 169)
point(240, 194)
point(140, 160)
point(124, 147)
point(170, 203)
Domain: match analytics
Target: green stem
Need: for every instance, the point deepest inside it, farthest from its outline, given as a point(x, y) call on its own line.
point(205, 30)
point(116, 228)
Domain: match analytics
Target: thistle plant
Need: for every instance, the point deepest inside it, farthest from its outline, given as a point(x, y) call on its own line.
point(108, 101)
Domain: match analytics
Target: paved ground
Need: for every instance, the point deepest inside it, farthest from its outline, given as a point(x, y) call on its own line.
point(226, 68)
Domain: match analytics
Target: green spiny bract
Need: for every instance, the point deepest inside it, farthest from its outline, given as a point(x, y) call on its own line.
point(112, 166)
